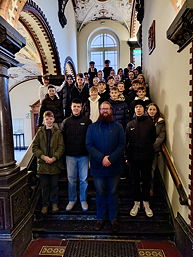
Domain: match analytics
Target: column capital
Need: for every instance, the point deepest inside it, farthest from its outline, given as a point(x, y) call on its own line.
point(180, 31)
point(11, 41)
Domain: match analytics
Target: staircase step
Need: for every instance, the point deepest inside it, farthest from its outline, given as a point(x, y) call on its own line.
point(123, 211)
point(133, 229)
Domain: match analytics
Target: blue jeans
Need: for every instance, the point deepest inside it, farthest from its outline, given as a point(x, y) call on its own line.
point(106, 197)
point(77, 166)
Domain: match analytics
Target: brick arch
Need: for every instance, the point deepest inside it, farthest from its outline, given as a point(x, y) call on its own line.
point(37, 25)
point(69, 67)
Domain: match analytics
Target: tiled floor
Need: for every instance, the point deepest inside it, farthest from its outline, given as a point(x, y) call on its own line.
point(57, 247)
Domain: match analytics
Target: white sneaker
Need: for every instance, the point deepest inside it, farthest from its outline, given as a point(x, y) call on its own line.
point(148, 211)
point(84, 205)
point(70, 205)
point(135, 209)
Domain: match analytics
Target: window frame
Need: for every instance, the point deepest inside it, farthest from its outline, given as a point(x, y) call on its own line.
point(103, 49)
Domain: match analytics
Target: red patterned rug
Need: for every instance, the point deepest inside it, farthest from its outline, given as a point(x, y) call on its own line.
point(100, 248)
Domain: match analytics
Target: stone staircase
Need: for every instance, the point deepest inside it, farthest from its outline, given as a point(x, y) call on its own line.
point(79, 224)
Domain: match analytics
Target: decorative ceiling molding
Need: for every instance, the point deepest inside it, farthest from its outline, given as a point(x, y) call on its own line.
point(90, 10)
point(61, 12)
point(37, 25)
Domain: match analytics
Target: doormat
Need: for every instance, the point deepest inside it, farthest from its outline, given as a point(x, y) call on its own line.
point(100, 248)
point(151, 253)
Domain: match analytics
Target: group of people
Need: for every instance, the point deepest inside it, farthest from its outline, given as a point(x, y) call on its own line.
point(109, 121)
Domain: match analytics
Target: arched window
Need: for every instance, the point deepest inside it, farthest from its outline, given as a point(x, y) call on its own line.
point(104, 46)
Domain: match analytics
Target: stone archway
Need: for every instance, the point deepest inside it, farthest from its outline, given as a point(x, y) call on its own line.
point(69, 67)
point(34, 20)
point(37, 25)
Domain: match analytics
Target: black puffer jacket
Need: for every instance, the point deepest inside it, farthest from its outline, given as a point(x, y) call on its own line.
point(120, 111)
point(74, 131)
point(140, 137)
point(54, 105)
point(82, 94)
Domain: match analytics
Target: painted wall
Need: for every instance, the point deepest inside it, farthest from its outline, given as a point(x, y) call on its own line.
point(66, 38)
point(24, 95)
point(168, 75)
point(84, 35)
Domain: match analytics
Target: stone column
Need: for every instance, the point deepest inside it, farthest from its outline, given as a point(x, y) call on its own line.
point(6, 131)
point(15, 216)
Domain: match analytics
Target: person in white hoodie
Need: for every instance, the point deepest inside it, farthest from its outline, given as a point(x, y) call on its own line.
point(91, 107)
point(154, 113)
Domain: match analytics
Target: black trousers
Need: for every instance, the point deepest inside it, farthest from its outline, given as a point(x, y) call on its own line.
point(141, 179)
point(49, 187)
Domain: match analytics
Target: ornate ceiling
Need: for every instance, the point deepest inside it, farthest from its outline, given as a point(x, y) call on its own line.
point(90, 10)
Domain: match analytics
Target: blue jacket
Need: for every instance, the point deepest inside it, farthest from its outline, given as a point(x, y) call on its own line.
point(105, 139)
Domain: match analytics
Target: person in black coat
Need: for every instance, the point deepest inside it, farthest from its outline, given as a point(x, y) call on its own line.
point(106, 69)
point(92, 71)
point(74, 132)
point(102, 90)
point(53, 104)
point(140, 137)
point(66, 95)
point(133, 92)
point(129, 68)
point(80, 90)
point(119, 107)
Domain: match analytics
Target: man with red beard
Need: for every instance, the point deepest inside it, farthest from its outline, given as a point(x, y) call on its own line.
point(105, 141)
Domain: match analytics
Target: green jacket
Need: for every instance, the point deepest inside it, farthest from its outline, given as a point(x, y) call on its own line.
point(39, 148)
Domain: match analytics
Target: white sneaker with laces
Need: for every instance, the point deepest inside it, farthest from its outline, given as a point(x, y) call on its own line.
point(84, 205)
point(70, 205)
point(135, 209)
point(148, 210)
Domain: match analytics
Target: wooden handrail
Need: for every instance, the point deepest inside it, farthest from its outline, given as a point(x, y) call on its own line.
point(174, 174)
